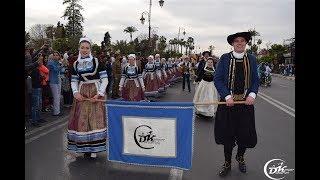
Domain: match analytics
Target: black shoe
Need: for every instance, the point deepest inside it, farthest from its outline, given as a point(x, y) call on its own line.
point(226, 168)
point(207, 117)
point(87, 155)
point(242, 164)
point(35, 124)
point(201, 116)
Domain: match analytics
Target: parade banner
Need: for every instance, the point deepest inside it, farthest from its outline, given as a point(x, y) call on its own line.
point(151, 133)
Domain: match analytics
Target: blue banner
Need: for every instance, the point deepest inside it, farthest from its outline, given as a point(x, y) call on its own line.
point(151, 133)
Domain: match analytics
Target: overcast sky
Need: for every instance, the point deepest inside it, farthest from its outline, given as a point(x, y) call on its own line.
point(209, 22)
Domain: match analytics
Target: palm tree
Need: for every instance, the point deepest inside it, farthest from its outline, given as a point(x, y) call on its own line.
point(191, 48)
point(182, 43)
point(254, 49)
point(130, 30)
point(254, 33)
point(190, 43)
point(175, 43)
point(171, 44)
point(259, 42)
point(162, 43)
point(268, 45)
point(211, 48)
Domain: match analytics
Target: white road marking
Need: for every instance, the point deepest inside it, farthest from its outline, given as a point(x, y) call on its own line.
point(45, 133)
point(278, 106)
point(283, 86)
point(288, 107)
point(45, 126)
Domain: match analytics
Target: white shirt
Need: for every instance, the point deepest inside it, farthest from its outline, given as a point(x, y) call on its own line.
point(65, 56)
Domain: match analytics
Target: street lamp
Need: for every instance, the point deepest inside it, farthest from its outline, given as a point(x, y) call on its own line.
point(142, 19)
point(161, 3)
point(184, 31)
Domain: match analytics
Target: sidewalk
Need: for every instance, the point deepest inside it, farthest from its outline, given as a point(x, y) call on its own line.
point(292, 78)
point(48, 117)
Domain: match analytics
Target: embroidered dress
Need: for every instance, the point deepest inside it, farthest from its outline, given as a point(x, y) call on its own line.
point(150, 80)
point(178, 71)
point(132, 83)
point(170, 72)
point(87, 120)
point(159, 74)
point(165, 74)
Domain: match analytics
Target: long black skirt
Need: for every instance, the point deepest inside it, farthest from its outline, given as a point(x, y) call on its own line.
point(235, 125)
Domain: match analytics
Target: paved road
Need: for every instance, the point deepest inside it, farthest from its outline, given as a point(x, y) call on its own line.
point(282, 90)
point(46, 156)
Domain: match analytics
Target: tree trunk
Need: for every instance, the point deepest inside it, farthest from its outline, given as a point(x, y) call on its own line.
point(73, 21)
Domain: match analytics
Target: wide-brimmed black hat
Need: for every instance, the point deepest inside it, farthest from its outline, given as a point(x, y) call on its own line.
point(245, 35)
point(206, 52)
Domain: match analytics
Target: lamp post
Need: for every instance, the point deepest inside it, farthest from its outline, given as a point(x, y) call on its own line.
point(184, 33)
point(142, 19)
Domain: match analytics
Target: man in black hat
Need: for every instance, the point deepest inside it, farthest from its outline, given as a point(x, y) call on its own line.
point(236, 79)
point(206, 54)
point(201, 65)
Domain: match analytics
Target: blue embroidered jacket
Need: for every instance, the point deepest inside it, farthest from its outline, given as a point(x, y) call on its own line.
point(221, 75)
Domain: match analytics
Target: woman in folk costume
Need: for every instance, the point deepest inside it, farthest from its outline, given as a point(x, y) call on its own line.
point(131, 84)
point(178, 74)
point(179, 71)
point(236, 79)
point(175, 69)
point(170, 71)
point(164, 74)
point(87, 121)
point(206, 91)
point(158, 64)
point(150, 78)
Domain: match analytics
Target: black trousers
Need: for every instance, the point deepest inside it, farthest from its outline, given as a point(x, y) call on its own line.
point(109, 86)
point(228, 152)
point(186, 77)
point(67, 97)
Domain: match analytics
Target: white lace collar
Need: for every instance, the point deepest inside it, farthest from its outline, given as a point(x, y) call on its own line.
point(238, 55)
